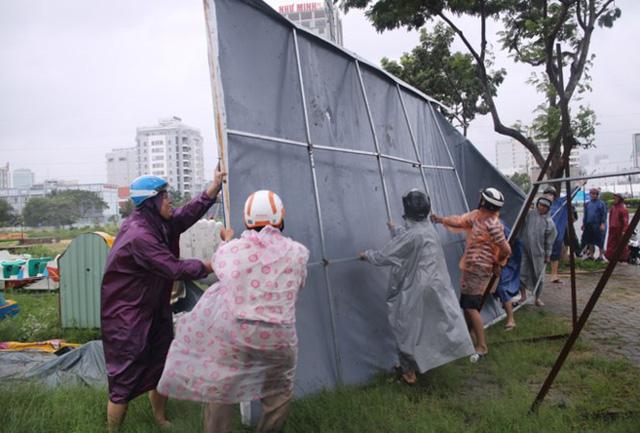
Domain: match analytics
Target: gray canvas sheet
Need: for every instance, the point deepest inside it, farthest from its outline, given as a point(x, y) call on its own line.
point(317, 149)
point(84, 365)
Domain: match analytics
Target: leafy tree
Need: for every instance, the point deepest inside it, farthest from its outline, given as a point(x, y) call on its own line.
point(62, 208)
point(448, 77)
point(178, 199)
point(82, 204)
point(552, 35)
point(556, 36)
point(7, 216)
point(127, 208)
point(522, 180)
point(39, 211)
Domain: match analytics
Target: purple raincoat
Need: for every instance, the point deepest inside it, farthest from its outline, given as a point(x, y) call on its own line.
point(137, 327)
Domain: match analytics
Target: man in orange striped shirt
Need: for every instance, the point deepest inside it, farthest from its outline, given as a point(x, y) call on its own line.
point(486, 251)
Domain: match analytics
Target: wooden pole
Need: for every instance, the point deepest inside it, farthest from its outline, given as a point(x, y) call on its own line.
point(585, 314)
point(572, 261)
point(219, 116)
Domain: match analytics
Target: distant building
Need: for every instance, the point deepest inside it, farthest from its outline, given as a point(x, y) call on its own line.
point(4, 176)
point(512, 157)
point(51, 184)
point(18, 197)
point(320, 17)
point(122, 166)
point(22, 178)
point(124, 196)
point(636, 150)
point(173, 151)
point(575, 158)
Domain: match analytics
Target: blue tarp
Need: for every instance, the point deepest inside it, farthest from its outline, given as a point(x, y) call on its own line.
point(559, 216)
point(580, 197)
point(509, 284)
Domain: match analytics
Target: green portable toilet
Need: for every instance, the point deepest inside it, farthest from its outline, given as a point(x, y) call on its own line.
point(81, 267)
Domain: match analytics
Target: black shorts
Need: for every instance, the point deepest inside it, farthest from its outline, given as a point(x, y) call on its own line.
point(470, 302)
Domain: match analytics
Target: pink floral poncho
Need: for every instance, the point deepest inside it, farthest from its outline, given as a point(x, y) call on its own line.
point(239, 343)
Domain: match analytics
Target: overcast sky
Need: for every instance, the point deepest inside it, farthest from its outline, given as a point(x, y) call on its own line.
point(78, 77)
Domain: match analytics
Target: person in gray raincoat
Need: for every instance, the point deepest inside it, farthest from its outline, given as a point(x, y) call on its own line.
point(423, 308)
point(538, 234)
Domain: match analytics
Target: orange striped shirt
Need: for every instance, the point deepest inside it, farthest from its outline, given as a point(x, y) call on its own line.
point(486, 244)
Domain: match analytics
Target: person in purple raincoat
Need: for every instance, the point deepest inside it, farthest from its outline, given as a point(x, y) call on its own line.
point(136, 317)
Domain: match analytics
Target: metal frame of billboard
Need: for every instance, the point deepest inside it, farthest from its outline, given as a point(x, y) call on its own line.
point(222, 133)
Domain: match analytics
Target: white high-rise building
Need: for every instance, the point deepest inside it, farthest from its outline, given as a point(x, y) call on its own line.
point(173, 151)
point(22, 178)
point(636, 150)
point(574, 156)
point(320, 17)
point(4, 176)
point(512, 157)
point(122, 166)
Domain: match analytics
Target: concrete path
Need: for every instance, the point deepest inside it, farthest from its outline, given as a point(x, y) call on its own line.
point(614, 324)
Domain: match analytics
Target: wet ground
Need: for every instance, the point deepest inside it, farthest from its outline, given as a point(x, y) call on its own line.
point(614, 323)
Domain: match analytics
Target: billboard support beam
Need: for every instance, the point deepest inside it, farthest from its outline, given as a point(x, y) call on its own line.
point(385, 193)
point(314, 179)
point(413, 141)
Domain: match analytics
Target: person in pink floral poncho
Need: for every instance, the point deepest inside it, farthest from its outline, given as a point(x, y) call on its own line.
point(239, 343)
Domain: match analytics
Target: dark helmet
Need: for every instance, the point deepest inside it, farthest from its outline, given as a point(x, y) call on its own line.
point(551, 191)
point(417, 205)
point(491, 199)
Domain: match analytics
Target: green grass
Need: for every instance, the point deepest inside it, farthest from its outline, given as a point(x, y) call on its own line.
point(582, 265)
point(591, 394)
point(38, 320)
point(44, 250)
point(31, 409)
point(65, 233)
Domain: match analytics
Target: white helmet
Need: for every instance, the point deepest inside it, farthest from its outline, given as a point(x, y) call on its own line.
point(263, 208)
point(493, 197)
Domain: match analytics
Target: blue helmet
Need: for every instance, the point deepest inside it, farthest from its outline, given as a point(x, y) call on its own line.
point(145, 187)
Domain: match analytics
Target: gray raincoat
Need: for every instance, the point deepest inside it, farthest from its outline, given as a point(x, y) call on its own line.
point(423, 307)
point(538, 234)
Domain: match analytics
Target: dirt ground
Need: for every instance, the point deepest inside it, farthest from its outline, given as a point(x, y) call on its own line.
point(614, 324)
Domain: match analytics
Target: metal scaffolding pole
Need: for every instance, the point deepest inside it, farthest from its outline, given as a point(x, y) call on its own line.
point(375, 141)
point(444, 143)
point(286, 141)
point(314, 179)
point(413, 141)
point(590, 176)
point(585, 313)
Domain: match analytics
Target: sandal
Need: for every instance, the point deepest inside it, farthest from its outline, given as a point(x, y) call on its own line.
point(509, 327)
point(409, 378)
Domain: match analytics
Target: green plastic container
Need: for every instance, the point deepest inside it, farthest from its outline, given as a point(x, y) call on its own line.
point(11, 269)
point(37, 266)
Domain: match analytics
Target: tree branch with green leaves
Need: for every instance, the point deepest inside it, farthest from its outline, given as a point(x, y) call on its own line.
point(531, 32)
